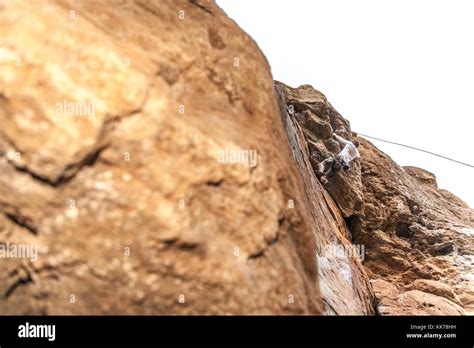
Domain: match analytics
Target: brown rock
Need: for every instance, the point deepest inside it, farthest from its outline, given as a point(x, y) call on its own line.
point(143, 153)
point(435, 288)
point(423, 176)
point(344, 283)
point(116, 118)
point(431, 232)
point(318, 119)
point(118, 129)
point(410, 229)
point(413, 302)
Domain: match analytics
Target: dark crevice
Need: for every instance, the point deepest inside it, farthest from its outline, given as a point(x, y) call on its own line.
point(444, 248)
point(22, 222)
point(35, 176)
point(214, 183)
point(272, 241)
point(19, 282)
point(353, 224)
point(403, 230)
point(90, 158)
point(256, 255)
point(69, 172)
point(202, 7)
point(181, 245)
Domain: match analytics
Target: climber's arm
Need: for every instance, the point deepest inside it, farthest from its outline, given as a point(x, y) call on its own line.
point(341, 140)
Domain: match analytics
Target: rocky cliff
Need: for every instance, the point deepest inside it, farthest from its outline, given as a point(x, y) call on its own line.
point(417, 239)
point(149, 165)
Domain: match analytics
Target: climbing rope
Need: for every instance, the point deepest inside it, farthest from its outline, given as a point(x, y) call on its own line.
point(415, 148)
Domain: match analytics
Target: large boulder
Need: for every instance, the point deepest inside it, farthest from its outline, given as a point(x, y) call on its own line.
point(143, 154)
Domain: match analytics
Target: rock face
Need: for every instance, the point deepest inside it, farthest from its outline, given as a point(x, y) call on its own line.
point(317, 119)
point(413, 230)
point(149, 167)
point(411, 302)
point(418, 239)
point(345, 287)
point(142, 152)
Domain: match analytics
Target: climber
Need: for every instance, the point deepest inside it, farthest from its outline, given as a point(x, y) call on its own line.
point(330, 166)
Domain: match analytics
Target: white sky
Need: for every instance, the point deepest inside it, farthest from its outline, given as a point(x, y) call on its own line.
point(400, 70)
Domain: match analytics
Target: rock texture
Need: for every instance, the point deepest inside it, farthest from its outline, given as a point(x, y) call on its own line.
point(418, 239)
point(413, 302)
point(414, 231)
point(148, 158)
point(345, 287)
point(130, 200)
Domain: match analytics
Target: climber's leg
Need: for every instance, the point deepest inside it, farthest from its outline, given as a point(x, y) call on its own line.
point(325, 169)
point(333, 165)
point(324, 180)
point(330, 172)
point(321, 167)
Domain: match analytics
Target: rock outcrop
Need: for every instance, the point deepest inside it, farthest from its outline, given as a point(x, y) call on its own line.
point(413, 231)
point(149, 167)
point(418, 239)
point(142, 152)
point(345, 286)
